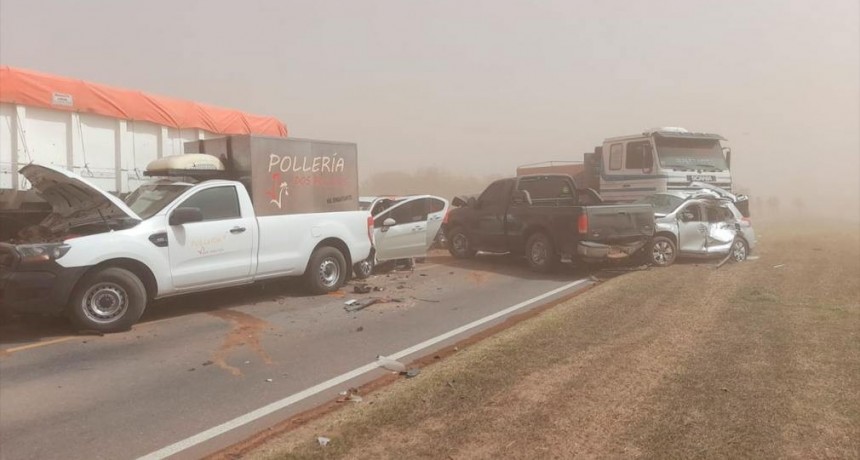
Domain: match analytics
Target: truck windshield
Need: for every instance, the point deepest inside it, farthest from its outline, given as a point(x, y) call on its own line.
point(663, 204)
point(690, 154)
point(148, 199)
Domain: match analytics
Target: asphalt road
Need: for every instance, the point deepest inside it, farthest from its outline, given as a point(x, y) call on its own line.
point(198, 361)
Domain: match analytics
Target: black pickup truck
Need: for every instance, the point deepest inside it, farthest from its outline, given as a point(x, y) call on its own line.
point(545, 218)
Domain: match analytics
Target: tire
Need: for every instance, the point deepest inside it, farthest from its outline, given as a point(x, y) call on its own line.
point(662, 251)
point(540, 253)
point(364, 269)
point(459, 245)
point(326, 271)
point(110, 300)
point(740, 250)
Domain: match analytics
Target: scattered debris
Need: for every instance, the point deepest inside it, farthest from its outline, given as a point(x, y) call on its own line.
point(390, 364)
point(426, 300)
point(725, 260)
point(356, 305)
point(360, 328)
point(191, 369)
point(412, 373)
point(422, 274)
point(323, 441)
point(362, 289)
point(779, 266)
point(753, 257)
point(207, 363)
point(378, 288)
point(269, 380)
point(450, 383)
point(247, 362)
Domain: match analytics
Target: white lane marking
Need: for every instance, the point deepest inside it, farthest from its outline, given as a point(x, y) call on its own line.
point(219, 430)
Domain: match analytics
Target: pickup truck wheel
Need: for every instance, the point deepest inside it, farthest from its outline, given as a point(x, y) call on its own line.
point(459, 245)
point(110, 300)
point(663, 251)
point(540, 253)
point(326, 270)
point(364, 269)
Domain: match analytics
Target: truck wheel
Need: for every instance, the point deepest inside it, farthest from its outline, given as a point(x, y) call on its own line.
point(540, 253)
point(663, 251)
point(110, 300)
point(459, 245)
point(326, 270)
point(364, 269)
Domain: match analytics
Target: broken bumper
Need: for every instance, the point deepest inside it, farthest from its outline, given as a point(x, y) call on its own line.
point(37, 288)
point(592, 250)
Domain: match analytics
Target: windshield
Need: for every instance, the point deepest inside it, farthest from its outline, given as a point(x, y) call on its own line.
point(148, 199)
point(690, 154)
point(662, 204)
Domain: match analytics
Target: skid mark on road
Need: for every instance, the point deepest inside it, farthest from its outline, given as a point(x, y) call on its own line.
point(245, 331)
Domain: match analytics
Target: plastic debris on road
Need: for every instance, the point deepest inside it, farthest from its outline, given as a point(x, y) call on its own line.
point(323, 441)
point(390, 364)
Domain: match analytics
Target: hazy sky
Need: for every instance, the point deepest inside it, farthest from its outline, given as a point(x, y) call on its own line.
point(482, 86)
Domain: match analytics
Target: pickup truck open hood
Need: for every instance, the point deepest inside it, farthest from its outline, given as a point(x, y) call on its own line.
point(73, 199)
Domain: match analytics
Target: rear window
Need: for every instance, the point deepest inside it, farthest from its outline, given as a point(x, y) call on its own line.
point(546, 187)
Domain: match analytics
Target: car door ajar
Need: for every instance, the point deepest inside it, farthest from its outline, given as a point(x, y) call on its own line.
point(216, 250)
point(487, 227)
point(692, 229)
point(406, 237)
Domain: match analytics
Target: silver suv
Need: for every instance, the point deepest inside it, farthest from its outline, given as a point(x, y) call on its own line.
point(700, 223)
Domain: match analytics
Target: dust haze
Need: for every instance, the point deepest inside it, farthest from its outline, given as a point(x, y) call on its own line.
point(443, 96)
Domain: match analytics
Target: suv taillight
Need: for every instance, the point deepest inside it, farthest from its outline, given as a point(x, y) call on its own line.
point(582, 224)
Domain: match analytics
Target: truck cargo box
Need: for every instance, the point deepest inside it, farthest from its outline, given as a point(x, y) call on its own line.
point(289, 175)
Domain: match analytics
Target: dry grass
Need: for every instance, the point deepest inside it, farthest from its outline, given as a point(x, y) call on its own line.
point(744, 361)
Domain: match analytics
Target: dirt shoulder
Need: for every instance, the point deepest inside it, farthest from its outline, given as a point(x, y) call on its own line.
point(759, 359)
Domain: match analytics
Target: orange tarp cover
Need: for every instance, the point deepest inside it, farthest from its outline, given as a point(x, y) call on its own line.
point(25, 87)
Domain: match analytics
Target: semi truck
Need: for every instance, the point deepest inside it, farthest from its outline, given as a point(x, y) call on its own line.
point(249, 208)
point(627, 168)
point(105, 134)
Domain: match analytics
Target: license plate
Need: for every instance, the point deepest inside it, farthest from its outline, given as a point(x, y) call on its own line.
point(701, 178)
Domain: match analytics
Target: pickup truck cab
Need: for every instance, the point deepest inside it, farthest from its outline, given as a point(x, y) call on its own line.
point(543, 217)
point(101, 260)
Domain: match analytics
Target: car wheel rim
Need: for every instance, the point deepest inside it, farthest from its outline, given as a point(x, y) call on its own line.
point(460, 243)
point(105, 303)
point(329, 272)
point(538, 253)
point(662, 253)
point(364, 267)
point(739, 251)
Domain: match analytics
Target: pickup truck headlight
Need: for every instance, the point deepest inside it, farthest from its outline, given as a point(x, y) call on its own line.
point(32, 253)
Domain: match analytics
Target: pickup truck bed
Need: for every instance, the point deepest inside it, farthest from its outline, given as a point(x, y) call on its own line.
point(540, 216)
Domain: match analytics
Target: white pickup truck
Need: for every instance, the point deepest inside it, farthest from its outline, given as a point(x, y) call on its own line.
point(101, 260)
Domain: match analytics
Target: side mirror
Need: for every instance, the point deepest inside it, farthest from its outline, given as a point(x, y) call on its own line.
point(389, 222)
point(728, 156)
point(686, 216)
point(183, 216)
point(473, 203)
point(520, 197)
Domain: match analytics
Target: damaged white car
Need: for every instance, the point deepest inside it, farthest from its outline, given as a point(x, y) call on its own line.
point(404, 227)
point(710, 222)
